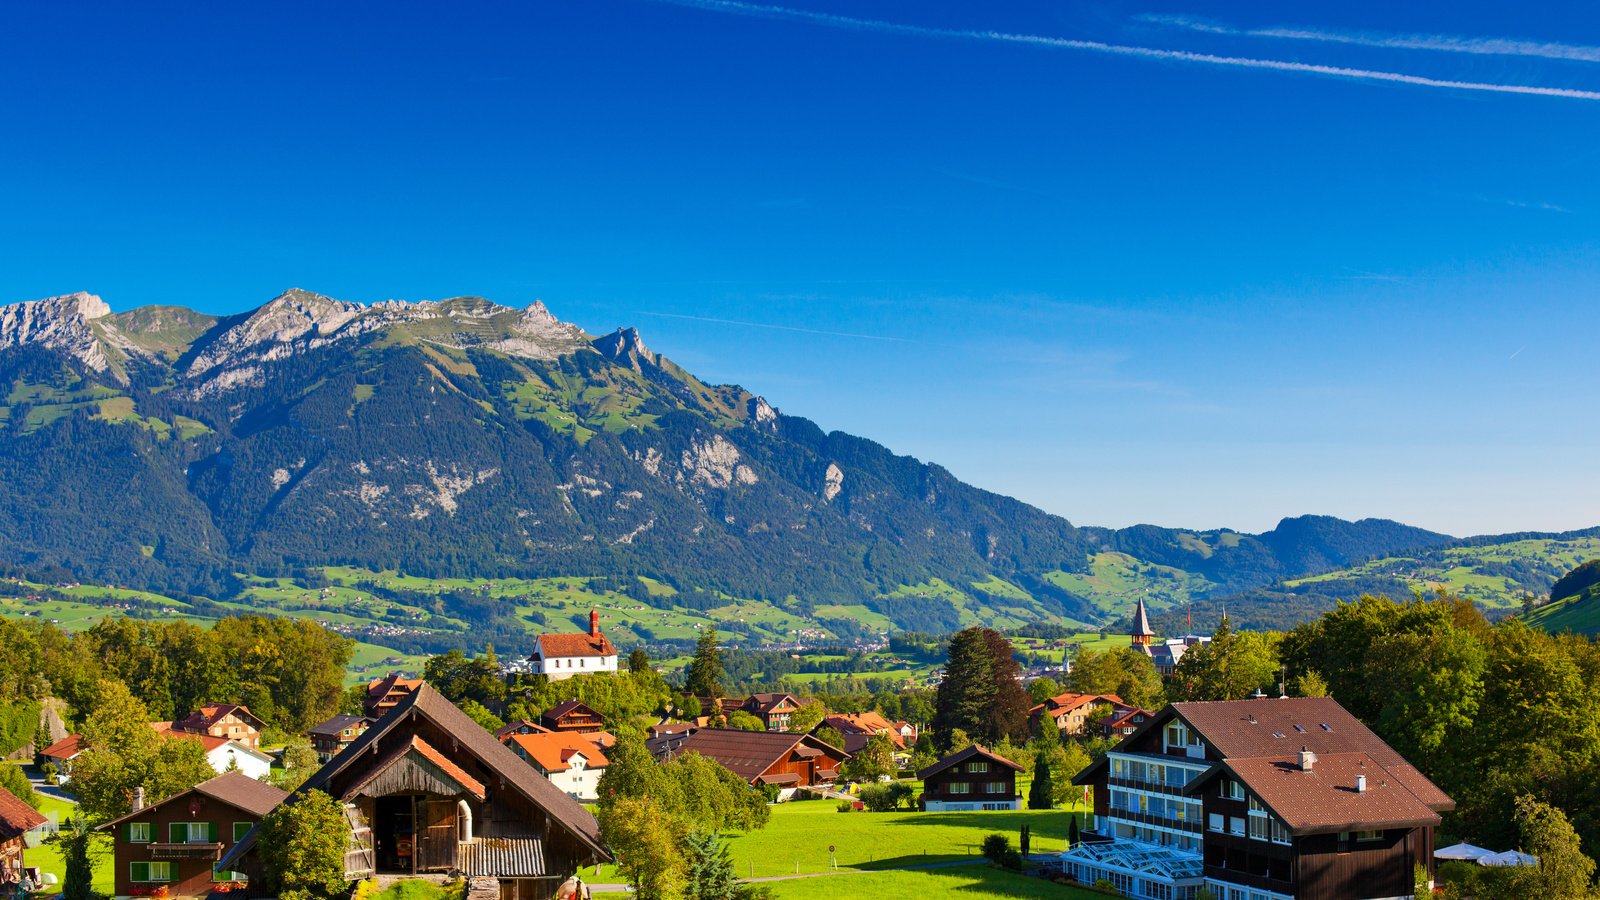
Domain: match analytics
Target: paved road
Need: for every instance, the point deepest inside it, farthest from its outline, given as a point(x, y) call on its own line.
point(46, 788)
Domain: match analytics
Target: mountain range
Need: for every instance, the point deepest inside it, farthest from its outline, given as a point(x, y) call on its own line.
point(171, 450)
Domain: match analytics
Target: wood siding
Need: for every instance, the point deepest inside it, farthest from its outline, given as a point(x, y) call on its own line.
point(939, 785)
point(191, 865)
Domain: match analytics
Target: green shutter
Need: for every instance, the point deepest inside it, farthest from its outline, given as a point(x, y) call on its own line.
point(211, 832)
point(177, 833)
point(139, 871)
point(127, 832)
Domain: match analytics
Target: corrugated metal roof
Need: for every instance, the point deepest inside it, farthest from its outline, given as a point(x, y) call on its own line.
point(503, 857)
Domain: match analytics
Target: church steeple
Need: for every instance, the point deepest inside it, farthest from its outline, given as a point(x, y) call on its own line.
point(1141, 633)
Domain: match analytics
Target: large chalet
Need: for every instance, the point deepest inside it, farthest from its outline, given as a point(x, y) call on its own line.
point(1267, 799)
point(426, 790)
point(229, 721)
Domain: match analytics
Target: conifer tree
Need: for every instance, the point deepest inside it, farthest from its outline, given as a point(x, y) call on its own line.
point(705, 670)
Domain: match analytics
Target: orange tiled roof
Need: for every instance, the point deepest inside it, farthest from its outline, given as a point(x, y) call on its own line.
point(553, 752)
point(569, 645)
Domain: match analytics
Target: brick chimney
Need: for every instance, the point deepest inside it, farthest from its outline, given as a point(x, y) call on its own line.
point(594, 622)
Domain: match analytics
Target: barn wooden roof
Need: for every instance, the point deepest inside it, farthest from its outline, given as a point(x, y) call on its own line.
point(432, 706)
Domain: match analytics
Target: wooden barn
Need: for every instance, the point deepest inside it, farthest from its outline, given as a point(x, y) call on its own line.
point(426, 790)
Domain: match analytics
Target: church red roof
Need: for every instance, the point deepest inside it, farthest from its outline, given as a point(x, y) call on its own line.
point(554, 645)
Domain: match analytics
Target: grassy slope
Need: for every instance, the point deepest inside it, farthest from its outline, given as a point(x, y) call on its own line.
point(1459, 569)
point(1115, 580)
point(1579, 613)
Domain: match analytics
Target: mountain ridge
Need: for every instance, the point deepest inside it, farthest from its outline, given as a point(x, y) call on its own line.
point(170, 449)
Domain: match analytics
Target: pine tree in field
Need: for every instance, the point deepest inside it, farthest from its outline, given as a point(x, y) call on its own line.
point(1040, 793)
point(705, 670)
point(980, 694)
point(962, 700)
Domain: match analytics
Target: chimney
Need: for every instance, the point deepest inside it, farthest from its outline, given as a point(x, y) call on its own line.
point(1361, 784)
point(1309, 759)
point(138, 798)
point(594, 622)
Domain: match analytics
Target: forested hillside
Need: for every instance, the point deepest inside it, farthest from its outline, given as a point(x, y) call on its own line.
point(197, 456)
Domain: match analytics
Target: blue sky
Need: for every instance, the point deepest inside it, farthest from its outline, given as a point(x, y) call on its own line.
point(1123, 286)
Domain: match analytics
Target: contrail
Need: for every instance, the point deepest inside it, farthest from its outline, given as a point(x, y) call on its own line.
point(782, 12)
point(1443, 43)
point(844, 334)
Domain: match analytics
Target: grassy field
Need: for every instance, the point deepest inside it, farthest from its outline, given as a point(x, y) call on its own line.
point(953, 883)
point(1115, 580)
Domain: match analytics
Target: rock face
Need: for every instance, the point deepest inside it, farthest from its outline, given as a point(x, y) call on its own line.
point(70, 323)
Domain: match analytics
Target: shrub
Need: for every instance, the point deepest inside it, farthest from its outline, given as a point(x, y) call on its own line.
point(846, 806)
point(998, 850)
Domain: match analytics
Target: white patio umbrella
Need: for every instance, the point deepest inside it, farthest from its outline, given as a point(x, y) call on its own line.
point(1465, 852)
point(1509, 858)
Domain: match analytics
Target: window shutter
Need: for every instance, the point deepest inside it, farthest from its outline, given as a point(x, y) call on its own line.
point(139, 871)
point(177, 833)
point(211, 832)
point(127, 832)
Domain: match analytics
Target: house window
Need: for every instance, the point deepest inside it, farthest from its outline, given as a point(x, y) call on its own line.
point(147, 872)
point(997, 787)
point(1369, 835)
point(240, 829)
point(1232, 790)
point(1280, 833)
point(220, 877)
point(977, 767)
point(191, 832)
point(139, 833)
point(959, 787)
point(1236, 825)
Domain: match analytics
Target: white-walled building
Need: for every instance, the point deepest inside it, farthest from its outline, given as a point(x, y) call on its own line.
point(560, 656)
point(572, 762)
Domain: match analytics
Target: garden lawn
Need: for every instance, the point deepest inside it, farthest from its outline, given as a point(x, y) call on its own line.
point(48, 856)
point(799, 835)
point(953, 883)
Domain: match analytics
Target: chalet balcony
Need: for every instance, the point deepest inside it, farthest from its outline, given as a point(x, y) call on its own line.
point(1154, 787)
point(211, 851)
point(1148, 819)
point(1246, 879)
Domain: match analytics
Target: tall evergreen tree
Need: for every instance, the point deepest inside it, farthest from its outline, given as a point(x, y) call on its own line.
point(1007, 717)
point(962, 700)
point(1043, 787)
point(74, 838)
point(705, 670)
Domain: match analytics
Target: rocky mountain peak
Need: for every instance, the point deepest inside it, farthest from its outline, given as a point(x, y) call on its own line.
point(69, 323)
point(625, 346)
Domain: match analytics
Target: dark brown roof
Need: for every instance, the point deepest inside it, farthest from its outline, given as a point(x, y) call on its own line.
point(236, 789)
point(335, 726)
point(432, 705)
point(748, 753)
point(16, 816)
point(567, 707)
point(769, 702)
point(1325, 799)
point(521, 726)
point(960, 756)
point(1277, 728)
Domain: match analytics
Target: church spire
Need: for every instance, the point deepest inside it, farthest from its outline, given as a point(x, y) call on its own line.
point(1141, 633)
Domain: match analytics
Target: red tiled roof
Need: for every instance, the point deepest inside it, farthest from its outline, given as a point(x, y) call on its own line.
point(869, 722)
point(553, 752)
point(208, 715)
point(16, 816)
point(66, 748)
point(1069, 701)
point(568, 645)
point(378, 687)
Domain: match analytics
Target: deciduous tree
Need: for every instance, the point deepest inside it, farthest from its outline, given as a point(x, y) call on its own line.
point(302, 847)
